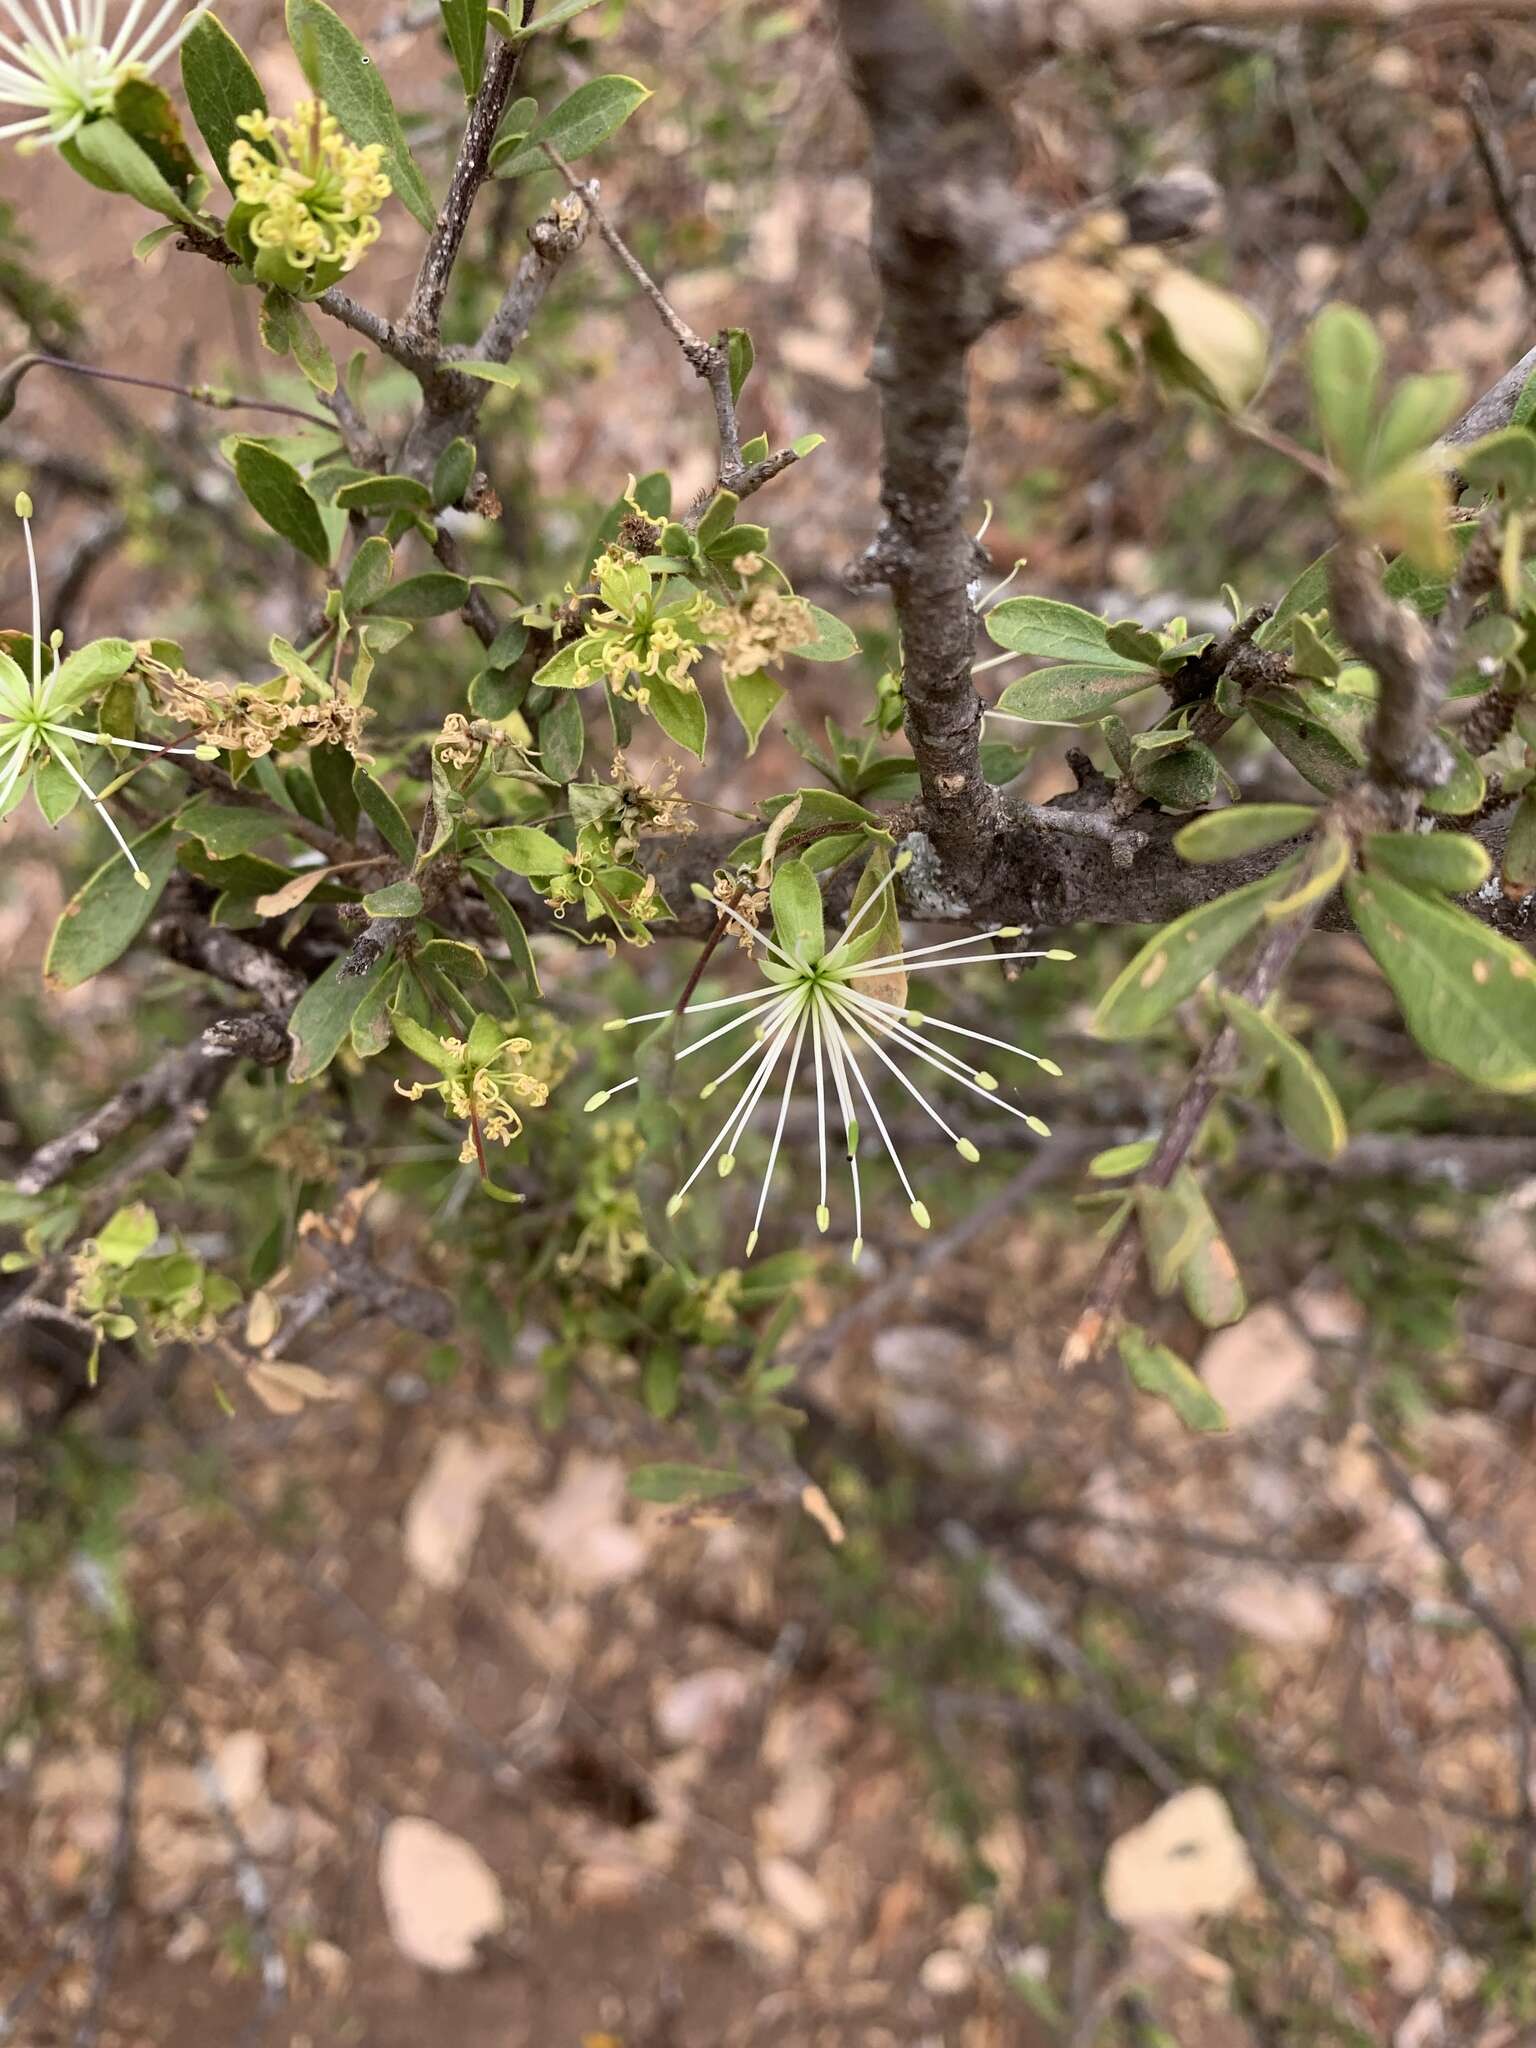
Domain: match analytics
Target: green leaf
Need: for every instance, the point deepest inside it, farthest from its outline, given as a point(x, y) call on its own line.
point(559, 672)
point(332, 769)
point(1184, 778)
point(1171, 1227)
point(1307, 595)
point(718, 518)
point(276, 490)
point(127, 1235)
point(54, 788)
point(384, 494)
point(464, 26)
point(1420, 410)
point(1448, 861)
point(453, 472)
point(104, 917)
point(1518, 870)
point(368, 575)
point(1211, 1284)
point(1120, 1160)
point(1053, 631)
point(220, 87)
point(385, 815)
point(109, 150)
point(1344, 358)
point(1321, 753)
point(294, 333)
point(552, 17)
point(821, 807)
point(1240, 829)
point(1505, 461)
point(661, 1381)
point(1304, 1099)
point(372, 1026)
point(879, 936)
point(525, 850)
point(798, 921)
point(1467, 995)
point(81, 674)
point(490, 373)
point(684, 1482)
point(228, 830)
point(754, 699)
point(396, 899)
point(562, 738)
point(591, 114)
point(148, 113)
point(507, 919)
point(1075, 691)
point(346, 78)
point(1175, 962)
point(831, 641)
point(426, 596)
point(1463, 789)
point(680, 712)
point(1158, 1371)
point(740, 356)
point(146, 245)
point(322, 1022)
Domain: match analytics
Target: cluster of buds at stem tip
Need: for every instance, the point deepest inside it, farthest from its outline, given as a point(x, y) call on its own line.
point(827, 1002)
point(36, 735)
point(64, 72)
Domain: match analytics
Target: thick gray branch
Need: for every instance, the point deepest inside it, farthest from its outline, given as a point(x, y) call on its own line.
point(946, 221)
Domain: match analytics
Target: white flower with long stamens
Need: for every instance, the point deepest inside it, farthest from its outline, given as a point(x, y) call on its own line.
point(835, 1003)
point(34, 715)
point(64, 71)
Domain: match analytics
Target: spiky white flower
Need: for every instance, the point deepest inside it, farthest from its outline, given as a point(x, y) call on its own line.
point(33, 728)
point(829, 1000)
point(65, 72)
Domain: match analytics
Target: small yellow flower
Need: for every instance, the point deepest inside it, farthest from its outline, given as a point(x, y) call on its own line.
point(482, 1079)
point(308, 199)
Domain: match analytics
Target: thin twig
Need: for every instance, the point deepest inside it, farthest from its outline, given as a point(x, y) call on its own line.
point(708, 359)
point(106, 1912)
point(1117, 1266)
point(1507, 202)
point(198, 394)
point(1506, 1639)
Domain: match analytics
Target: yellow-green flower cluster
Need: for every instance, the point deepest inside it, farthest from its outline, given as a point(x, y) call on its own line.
point(612, 1242)
point(482, 1079)
point(308, 199)
point(637, 632)
point(760, 631)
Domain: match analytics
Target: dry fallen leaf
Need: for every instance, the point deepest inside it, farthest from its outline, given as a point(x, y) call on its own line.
point(702, 1708)
point(580, 1529)
point(797, 1817)
point(441, 1897)
point(261, 1320)
point(1401, 1939)
point(1272, 1606)
point(1185, 1860)
point(822, 1513)
point(444, 1512)
point(286, 1388)
point(794, 1893)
